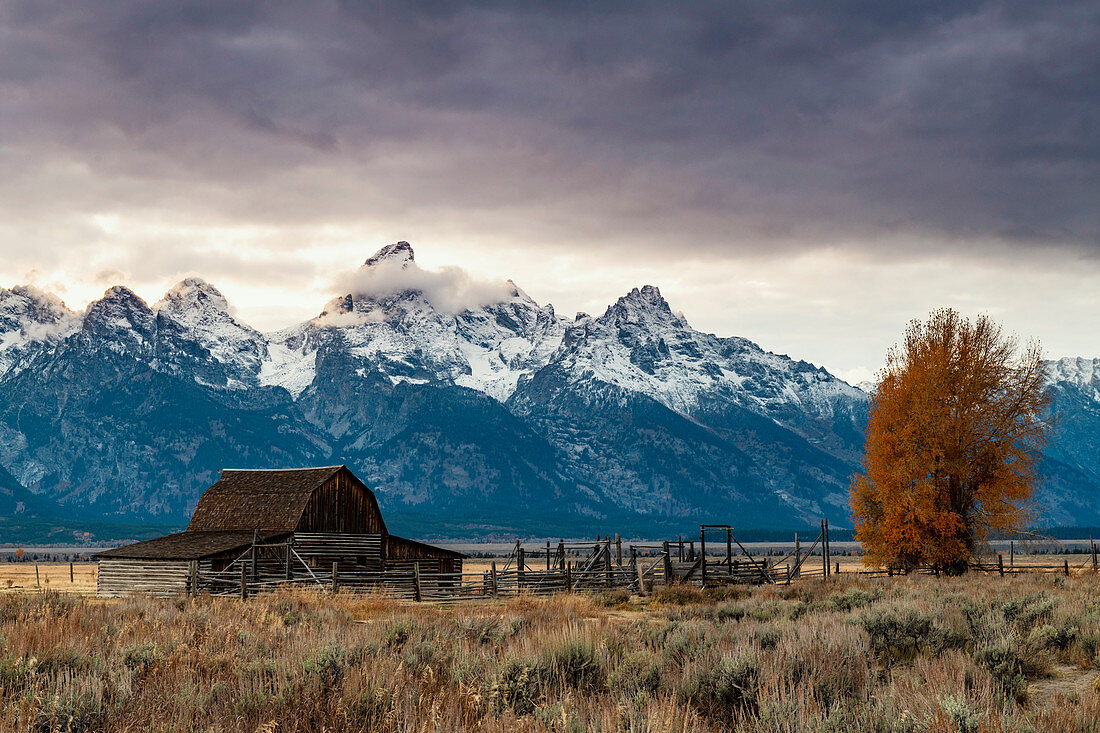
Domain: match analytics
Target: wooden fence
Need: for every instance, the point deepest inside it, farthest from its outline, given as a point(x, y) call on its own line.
point(573, 567)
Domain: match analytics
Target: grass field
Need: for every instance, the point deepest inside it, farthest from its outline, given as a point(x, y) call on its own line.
point(967, 654)
point(27, 576)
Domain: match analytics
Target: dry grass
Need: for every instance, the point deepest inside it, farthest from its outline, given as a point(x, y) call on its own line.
point(20, 576)
point(915, 654)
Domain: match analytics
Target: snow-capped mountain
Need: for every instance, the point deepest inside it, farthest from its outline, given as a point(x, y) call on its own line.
point(198, 334)
point(640, 345)
point(458, 401)
point(31, 321)
point(406, 334)
point(702, 422)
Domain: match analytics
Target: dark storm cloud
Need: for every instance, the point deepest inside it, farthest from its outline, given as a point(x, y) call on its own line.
point(712, 127)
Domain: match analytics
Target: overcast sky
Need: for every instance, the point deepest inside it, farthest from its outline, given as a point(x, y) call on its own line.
point(809, 175)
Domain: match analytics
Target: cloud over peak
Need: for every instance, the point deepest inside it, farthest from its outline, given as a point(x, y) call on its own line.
point(393, 270)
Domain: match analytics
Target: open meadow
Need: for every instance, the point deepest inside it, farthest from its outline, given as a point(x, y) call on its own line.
point(975, 653)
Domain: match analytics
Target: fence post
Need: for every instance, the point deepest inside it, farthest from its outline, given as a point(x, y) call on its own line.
point(416, 582)
point(493, 578)
point(1093, 555)
point(633, 557)
point(71, 571)
point(1001, 564)
point(335, 576)
point(797, 556)
point(607, 564)
point(1011, 553)
point(519, 569)
point(561, 552)
point(253, 560)
point(618, 550)
point(1066, 567)
point(568, 579)
point(289, 551)
point(703, 556)
point(824, 553)
point(244, 581)
point(548, 556)
point(691, 551)
point(680, 542)
point(668, 565)
point(729, 551)
point(828, 547)
point(37, 580)
point(193, 578)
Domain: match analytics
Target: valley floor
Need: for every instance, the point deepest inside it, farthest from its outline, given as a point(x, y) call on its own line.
point(910, 654)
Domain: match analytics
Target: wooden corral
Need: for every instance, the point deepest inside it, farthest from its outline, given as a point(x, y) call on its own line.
point(289, 524)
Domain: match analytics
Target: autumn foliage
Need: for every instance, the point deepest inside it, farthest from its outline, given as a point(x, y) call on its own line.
point(953, 441)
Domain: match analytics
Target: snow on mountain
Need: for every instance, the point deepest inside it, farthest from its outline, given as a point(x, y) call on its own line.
point(418, 326)
point(1082, 373)
point(31, 320)
point(121, 322)
point(640, 345)
point(196, 315)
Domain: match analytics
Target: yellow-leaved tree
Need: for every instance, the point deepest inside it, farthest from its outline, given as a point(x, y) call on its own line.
point(954, 437)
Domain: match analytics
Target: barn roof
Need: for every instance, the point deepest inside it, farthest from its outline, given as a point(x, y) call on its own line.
point(184, 546)
point(259, 499)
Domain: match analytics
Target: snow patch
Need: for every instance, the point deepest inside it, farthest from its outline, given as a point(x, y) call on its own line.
point(291, 369)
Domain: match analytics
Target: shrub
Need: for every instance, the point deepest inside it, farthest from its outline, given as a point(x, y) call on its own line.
point(397, 634)
point(515, 687)
point(685, 642)
point(767, 637)
point(897, 636)
point(1049, 636)
point(574, 662)
point(327, 664)
point(635, 672)
point(140, 657)
point(1006, 667)
point(481, 629)
point(613, 599)
point(15, 672)
point(957, 710)
point(679, 595)
point(851, 599)
point(729, 612)
point(722, 689)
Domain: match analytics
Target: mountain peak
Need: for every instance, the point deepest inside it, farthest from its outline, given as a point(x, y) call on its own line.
point(193, 293)
point(401, 252)
point(120, 294)
point(643, 303)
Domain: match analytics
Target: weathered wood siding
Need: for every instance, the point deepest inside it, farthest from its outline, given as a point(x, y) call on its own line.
point(402, 554)
point(337, 545)
point(427, 565)
point(341, 504)
point(120, 577)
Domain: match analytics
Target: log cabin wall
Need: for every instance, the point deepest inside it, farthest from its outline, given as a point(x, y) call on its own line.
point(120, 577)
point(342, 504)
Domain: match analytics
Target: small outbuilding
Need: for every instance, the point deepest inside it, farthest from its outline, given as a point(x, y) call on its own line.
point(275, 523)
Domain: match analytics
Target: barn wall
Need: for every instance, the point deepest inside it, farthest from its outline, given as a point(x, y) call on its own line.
point(341, 504)
point(125, 577)
point(402, 554)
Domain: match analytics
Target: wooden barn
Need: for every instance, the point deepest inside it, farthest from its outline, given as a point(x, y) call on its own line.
point(272, 525)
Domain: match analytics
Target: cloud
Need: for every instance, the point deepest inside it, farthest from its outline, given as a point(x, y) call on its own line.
point(449, 289)
point(716, 129)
